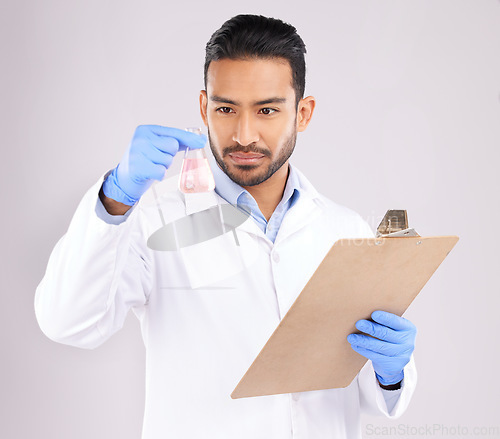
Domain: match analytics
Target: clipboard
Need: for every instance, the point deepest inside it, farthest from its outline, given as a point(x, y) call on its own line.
point(309, 348)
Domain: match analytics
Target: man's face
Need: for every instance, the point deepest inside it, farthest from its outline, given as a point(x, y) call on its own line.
point(250, 110)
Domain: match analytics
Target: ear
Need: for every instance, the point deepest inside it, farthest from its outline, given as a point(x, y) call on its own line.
point(305, 111)
point(203, 106)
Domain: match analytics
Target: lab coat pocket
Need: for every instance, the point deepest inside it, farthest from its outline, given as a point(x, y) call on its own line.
point(218, 259)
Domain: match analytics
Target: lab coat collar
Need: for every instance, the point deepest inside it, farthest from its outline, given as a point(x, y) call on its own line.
point(309, 206)
point(307, 189)
point(305, 211)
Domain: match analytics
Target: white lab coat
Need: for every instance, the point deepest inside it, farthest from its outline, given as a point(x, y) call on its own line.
point(205, 311)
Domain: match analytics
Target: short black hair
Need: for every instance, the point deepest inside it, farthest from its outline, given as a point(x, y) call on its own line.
point(256, 36)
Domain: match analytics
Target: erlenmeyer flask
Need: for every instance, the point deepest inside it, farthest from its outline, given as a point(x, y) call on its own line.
point(196, 175)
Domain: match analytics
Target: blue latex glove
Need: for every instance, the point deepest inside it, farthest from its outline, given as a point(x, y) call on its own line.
point(391, 350)
point(149, 155)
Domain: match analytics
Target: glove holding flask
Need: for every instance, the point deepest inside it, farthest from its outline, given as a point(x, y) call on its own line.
point(149, 155)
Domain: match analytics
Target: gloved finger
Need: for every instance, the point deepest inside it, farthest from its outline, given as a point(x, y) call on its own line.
point(158, 172)
point(167, 145)
point(185, 138)
point(380, 331)
point(379, 346)
point(375, 357)
point(389, 370)
point(393, 321)
point(152, 172)
point(154, 155)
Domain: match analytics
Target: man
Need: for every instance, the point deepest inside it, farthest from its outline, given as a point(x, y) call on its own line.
point(207, 309)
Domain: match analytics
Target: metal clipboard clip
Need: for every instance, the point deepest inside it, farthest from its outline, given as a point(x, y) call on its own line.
point(395, 225)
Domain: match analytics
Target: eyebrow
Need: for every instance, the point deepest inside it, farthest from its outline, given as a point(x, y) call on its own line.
point(223, 100)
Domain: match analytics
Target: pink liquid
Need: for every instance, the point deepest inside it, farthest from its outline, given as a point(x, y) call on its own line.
point(196, 176)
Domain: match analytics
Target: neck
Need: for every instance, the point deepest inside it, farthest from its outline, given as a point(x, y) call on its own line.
point(269, 193)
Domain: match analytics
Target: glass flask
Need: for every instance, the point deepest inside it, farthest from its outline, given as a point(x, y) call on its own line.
point(196, 175)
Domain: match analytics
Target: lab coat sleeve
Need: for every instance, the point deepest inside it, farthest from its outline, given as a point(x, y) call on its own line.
point(372, 395)
point(96, 273)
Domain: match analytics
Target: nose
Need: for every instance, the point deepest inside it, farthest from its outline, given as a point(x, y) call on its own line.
point(245, 132)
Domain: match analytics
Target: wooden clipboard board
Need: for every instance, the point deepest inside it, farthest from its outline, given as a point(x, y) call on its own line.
point(309, 348)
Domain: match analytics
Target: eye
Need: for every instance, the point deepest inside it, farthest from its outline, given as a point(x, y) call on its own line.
point(225, 110)
point(268, 111)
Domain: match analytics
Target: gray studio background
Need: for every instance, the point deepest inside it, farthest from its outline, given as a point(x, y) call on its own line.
point(408, 116)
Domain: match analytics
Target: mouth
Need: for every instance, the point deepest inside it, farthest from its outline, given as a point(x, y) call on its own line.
point(245, 158)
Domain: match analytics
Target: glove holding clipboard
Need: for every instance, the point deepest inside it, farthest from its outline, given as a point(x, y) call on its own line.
point(390, 346)
point(391, 339)
point(309, 349)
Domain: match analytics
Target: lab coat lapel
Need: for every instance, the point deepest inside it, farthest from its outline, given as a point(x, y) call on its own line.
point(308, 207)
point(305, 211)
